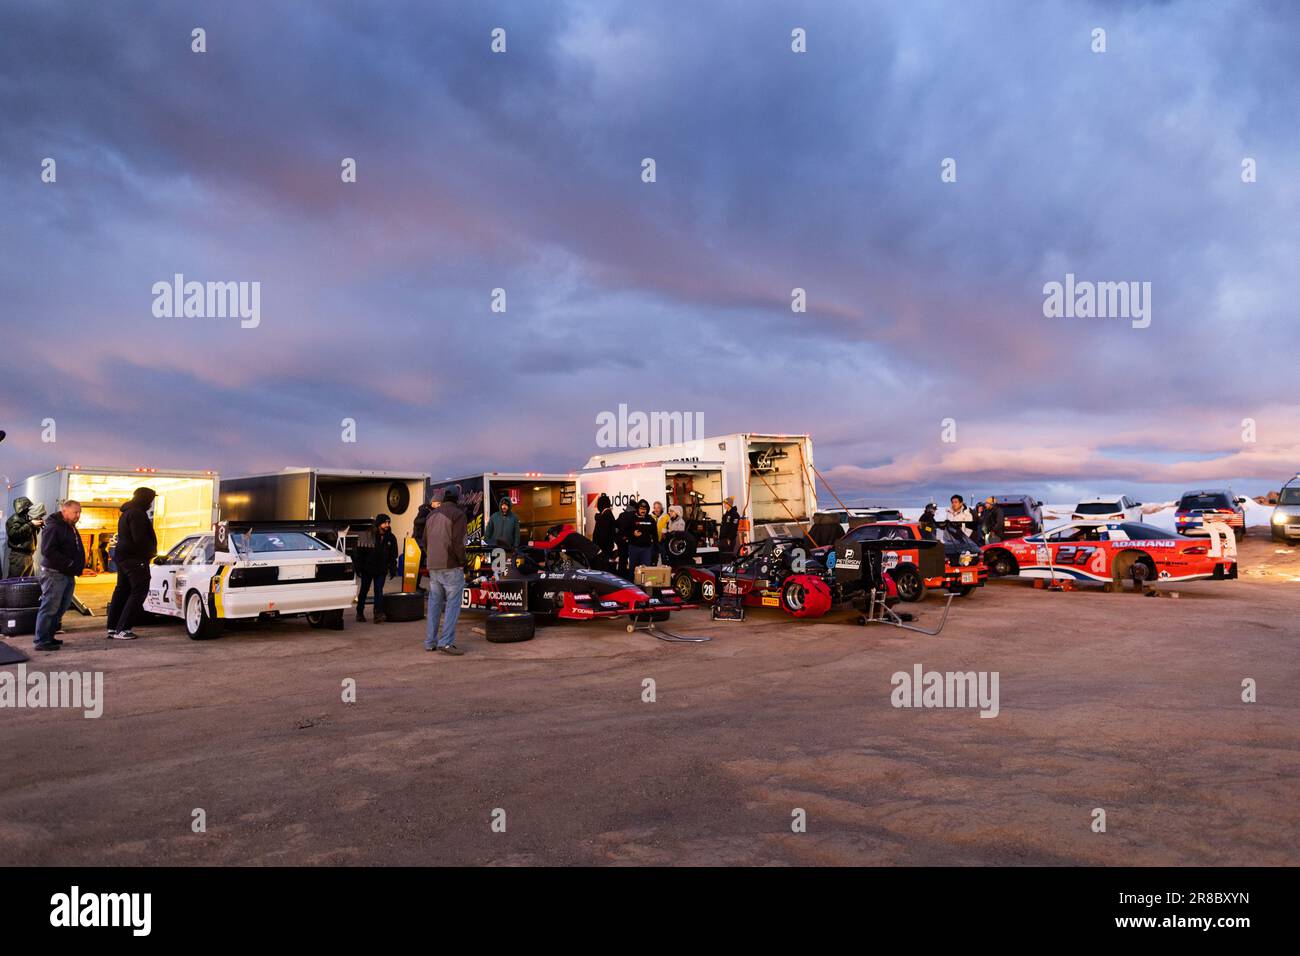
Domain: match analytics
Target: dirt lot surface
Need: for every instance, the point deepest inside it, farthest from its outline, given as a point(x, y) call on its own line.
point(1116, 701)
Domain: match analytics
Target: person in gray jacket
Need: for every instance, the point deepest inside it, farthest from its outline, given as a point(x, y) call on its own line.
point(444, 554)
point(502, 527)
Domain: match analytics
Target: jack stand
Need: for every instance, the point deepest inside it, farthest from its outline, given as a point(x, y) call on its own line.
point(666, 636)
point(878, 612)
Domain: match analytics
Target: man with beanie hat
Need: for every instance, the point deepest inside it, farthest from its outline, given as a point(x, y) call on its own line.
point(136, 546)
point(375, 562)
point(444, 552)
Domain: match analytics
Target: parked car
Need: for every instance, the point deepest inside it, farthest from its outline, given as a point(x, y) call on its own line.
point(1108, 508)
point(1285, 521)
point(1196, 508)
point(1113, 552)
point(247, 572)
point(1022, 515)
point(904, 545)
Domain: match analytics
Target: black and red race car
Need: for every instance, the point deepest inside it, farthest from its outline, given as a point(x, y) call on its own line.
point(554, 578)
point(917, 561)
point(784, 571)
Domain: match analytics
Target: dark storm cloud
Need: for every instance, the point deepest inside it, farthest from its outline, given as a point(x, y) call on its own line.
point(774, 171)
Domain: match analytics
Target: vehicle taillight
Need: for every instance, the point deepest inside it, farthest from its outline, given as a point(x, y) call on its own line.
point(1199, 549)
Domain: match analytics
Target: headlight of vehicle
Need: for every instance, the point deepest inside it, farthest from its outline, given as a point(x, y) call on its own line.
point(1278, 517)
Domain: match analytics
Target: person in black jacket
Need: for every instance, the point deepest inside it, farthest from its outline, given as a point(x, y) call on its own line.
point(623, 535)
point(643, 538)
point(730, 530)
point(20, 536)
point(603, 535)
point(992, 521)
point(63, 557)
point(375, 562)
point(136, 546)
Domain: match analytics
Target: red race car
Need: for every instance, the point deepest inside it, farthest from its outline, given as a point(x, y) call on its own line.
point(783, 571)
point(1112, 552)
point(918, 561)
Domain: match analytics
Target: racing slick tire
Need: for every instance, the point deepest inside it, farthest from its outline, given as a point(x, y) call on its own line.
point(18, 593)
point(403, 607)
point(803, 595)
point(911, 586)
point(509, 627)
point(16, 621)
point(198, 624)
point(679, 546)
point(687, 588)
point(1002, 563)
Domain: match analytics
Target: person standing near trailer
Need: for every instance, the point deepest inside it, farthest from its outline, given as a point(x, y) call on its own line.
point(623, 532)
point(21, 530)
point(136, 546)
point(643, 539)
point(730, 529)
point(63, 557)
point(444, 548)
point(374, 563)
point(603, 536)
point(503, 527)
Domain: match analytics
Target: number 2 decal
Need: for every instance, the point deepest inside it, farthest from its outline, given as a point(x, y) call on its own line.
point(166, 586)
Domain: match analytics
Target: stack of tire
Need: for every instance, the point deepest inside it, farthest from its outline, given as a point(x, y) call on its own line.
point(406, 606)
point(509, 627)
point(19, 599)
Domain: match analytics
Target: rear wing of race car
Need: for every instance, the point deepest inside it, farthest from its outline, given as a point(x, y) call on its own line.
point(333, 533)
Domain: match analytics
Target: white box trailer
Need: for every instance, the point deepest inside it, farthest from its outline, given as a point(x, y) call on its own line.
point(698, 487)
point(771, 476)
point(186, 501)
point(326, 494)
point(538, 499)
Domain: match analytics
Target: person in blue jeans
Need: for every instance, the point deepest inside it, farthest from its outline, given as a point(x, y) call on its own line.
point(444, 552)
point(63, 557)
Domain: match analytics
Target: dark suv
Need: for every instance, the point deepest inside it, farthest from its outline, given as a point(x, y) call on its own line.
point(1022, 514)
point(1195, 508)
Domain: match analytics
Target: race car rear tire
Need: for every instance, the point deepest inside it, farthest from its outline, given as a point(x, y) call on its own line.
point(805, 596)
point(199, 625)
point(509, 627)
point(403, 607)
point(1001, 563)
point(679, 546)
point(687, 587)
point(911, 586)
point(16, 621)
point(18, 593)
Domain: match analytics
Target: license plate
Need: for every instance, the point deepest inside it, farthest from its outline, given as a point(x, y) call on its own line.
point(967, 577)
point(297, 572)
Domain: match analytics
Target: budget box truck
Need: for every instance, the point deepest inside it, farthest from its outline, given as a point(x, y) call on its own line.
point(186, 502)
point(771, 476)
point(697, 487)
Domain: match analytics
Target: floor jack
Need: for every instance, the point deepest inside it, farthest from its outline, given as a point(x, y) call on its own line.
point(879, 612)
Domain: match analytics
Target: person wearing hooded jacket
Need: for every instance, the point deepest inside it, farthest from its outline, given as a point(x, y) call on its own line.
point(502, 527)
point(643, 538)
point(136, 546)
point(20, 534)
point(375, 562)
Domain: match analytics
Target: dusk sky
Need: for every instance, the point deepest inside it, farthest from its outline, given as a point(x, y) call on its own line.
point(775, 170)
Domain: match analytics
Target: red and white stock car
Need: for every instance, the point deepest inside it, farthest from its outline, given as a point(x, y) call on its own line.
point(1114, 552)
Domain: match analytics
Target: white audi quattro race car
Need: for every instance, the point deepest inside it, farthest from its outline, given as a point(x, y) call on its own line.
point(248, 570)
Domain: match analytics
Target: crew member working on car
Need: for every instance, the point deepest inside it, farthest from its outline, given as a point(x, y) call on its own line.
point(63, 557)
point(20, 532)
point(503, 527)
point(136, 546)
point(730, 529)
point(992, 521)
point(643, 538)
point(375, 562)
point(444, 550)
